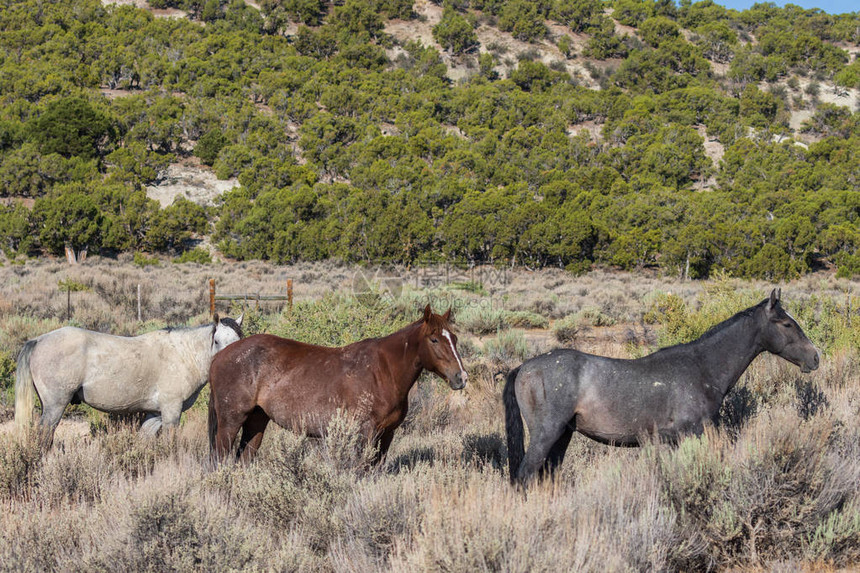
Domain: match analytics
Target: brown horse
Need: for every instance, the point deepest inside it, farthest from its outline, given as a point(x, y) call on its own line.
point(301, 386)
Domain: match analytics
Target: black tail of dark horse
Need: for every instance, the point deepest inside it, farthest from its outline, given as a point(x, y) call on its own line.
point(213, 425)
point(513, 425)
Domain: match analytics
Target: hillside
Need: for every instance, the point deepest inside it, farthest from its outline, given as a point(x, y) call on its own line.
point(573, 134)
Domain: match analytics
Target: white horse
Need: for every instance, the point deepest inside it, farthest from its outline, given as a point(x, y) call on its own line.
point(160, 372)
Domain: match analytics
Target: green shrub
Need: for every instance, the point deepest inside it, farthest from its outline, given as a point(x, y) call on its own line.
point(474, 287)
point(196, 255)
point(525, 319)
point(679, 324)
point(454, 32)
point(486, 319)
point(7, 378)
point(592, 316)
point(336, 320)
point(142, 260)
point(508, 346)
point(848, 265)
point(827, 322)
point(481, 319)
point(566, 329)
point(71, 285)
point(210, 145)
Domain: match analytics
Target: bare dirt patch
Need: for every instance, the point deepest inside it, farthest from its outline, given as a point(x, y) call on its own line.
point(142, 4)
point(421, 30)
point(827, 93)
point(714, 150)
point(116, 93)
point(490, 39)
point(191, 181)
point(620, 29)
point(594, 130)
point(418, 29)
point(27, 202)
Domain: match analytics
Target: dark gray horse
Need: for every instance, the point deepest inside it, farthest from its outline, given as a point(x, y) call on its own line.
point(671, 392)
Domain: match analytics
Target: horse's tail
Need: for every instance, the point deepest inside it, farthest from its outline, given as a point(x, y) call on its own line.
point(25, 389)
point(513, 425)
point(213, 425)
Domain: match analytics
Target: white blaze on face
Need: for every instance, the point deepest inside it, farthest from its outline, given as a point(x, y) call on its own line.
point(450, 340)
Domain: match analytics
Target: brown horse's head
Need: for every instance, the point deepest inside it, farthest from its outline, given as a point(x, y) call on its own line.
point(781, 335)
point(437, 349)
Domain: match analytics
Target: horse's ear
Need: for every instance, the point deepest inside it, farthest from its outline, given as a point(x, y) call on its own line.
point(427, 313)
point(239, 320)
point(447, 315)
point(774, 298)
point(217, 319)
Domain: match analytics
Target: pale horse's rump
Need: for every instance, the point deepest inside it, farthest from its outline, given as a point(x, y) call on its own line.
point(159, 373)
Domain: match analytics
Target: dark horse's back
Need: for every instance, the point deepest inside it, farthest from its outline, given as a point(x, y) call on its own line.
point(611, 400)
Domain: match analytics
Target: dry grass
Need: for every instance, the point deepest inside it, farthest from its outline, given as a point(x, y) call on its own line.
point(774, 487)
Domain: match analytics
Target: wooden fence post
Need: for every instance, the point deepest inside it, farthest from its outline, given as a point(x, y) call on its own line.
point(212, 299)
point(249, 296)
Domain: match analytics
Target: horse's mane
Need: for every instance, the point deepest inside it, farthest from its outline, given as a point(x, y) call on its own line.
point(436, 323)
point(227, 321)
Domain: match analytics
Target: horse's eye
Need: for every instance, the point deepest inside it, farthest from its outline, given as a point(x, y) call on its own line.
point(434, 340)
point(787, 324)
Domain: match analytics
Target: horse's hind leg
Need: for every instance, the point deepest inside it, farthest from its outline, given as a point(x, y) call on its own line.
point(225, 437)
point(556, 453)
point(50, 418)
point(252, 434)
point(382, 442)
point(542, 442)
point(170, 414)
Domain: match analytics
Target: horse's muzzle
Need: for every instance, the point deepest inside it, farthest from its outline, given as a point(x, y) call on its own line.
point(810, 365)
point(458, 381)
